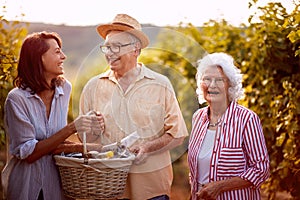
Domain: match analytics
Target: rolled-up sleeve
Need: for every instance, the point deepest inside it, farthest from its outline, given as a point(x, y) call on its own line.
point(174, 123)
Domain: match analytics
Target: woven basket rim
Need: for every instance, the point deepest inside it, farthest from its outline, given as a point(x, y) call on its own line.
point(94, 160)
point(94, 163)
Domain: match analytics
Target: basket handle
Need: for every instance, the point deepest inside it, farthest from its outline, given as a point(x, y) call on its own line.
point(90, 167)
point(84, 154)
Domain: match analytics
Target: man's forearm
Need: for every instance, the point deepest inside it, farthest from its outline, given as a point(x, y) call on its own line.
point(163, 143)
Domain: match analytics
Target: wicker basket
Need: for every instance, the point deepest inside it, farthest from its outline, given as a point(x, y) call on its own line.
point(99, 179)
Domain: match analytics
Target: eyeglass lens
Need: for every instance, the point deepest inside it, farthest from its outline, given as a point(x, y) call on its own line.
point(218, 80)
point(114, 48)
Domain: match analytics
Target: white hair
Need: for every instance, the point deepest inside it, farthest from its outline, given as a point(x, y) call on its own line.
point(226, 63)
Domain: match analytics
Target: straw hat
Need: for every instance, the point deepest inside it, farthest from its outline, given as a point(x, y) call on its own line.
point(123, 22)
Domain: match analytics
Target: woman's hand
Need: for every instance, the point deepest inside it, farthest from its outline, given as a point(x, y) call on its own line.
point(68, 147)
point(212, 190)
point(209, 191)
point(71, 147)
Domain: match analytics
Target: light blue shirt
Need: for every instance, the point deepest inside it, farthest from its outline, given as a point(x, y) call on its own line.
point(26, 124)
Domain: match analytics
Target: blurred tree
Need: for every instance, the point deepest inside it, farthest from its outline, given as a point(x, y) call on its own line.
point(11, 36)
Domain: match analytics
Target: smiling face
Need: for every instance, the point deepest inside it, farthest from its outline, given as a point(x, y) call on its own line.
point(124, 60)
point(214, 85)
point(53, 60)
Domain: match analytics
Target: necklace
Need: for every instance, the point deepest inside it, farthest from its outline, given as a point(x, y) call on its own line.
point(215, 124)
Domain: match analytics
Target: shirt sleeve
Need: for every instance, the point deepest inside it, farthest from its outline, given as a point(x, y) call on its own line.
point(174, 121)
point(19, 130)
point(255, 146)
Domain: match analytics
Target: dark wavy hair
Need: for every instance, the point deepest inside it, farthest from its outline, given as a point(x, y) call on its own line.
point(31, 71)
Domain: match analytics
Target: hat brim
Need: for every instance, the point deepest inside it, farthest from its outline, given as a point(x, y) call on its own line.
point(104, 29)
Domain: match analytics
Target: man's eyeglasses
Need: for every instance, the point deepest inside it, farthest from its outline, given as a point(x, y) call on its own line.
point(219, 81)
point(114, 48)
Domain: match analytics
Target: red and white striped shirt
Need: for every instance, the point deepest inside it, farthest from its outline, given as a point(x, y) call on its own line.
point(240, 151)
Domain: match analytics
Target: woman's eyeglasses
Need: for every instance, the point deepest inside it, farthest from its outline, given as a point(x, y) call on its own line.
point(219, 81)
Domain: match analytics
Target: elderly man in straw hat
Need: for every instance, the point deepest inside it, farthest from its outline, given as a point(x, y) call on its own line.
point(134, 99)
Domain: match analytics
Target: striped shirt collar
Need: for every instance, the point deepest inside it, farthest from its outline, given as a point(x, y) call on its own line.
point(225, 116)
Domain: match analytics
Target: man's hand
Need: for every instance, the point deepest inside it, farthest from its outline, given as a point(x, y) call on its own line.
point(141, 154)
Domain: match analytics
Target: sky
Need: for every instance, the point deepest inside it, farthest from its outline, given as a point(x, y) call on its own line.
point(156, 12)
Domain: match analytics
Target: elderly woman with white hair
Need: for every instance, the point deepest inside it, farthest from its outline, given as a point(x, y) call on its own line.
point(227, 153)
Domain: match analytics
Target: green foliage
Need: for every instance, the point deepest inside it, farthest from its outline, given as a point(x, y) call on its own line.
point(292, 22)
point(273, 82)
point(11, 35)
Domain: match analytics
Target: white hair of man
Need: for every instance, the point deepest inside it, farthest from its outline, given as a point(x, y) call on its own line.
point(226, 63)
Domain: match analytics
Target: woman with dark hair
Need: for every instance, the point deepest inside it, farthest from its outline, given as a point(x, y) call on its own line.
point(36, 121)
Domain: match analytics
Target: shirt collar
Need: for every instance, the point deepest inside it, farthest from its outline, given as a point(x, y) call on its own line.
point(58, 92)
point(226, 115)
